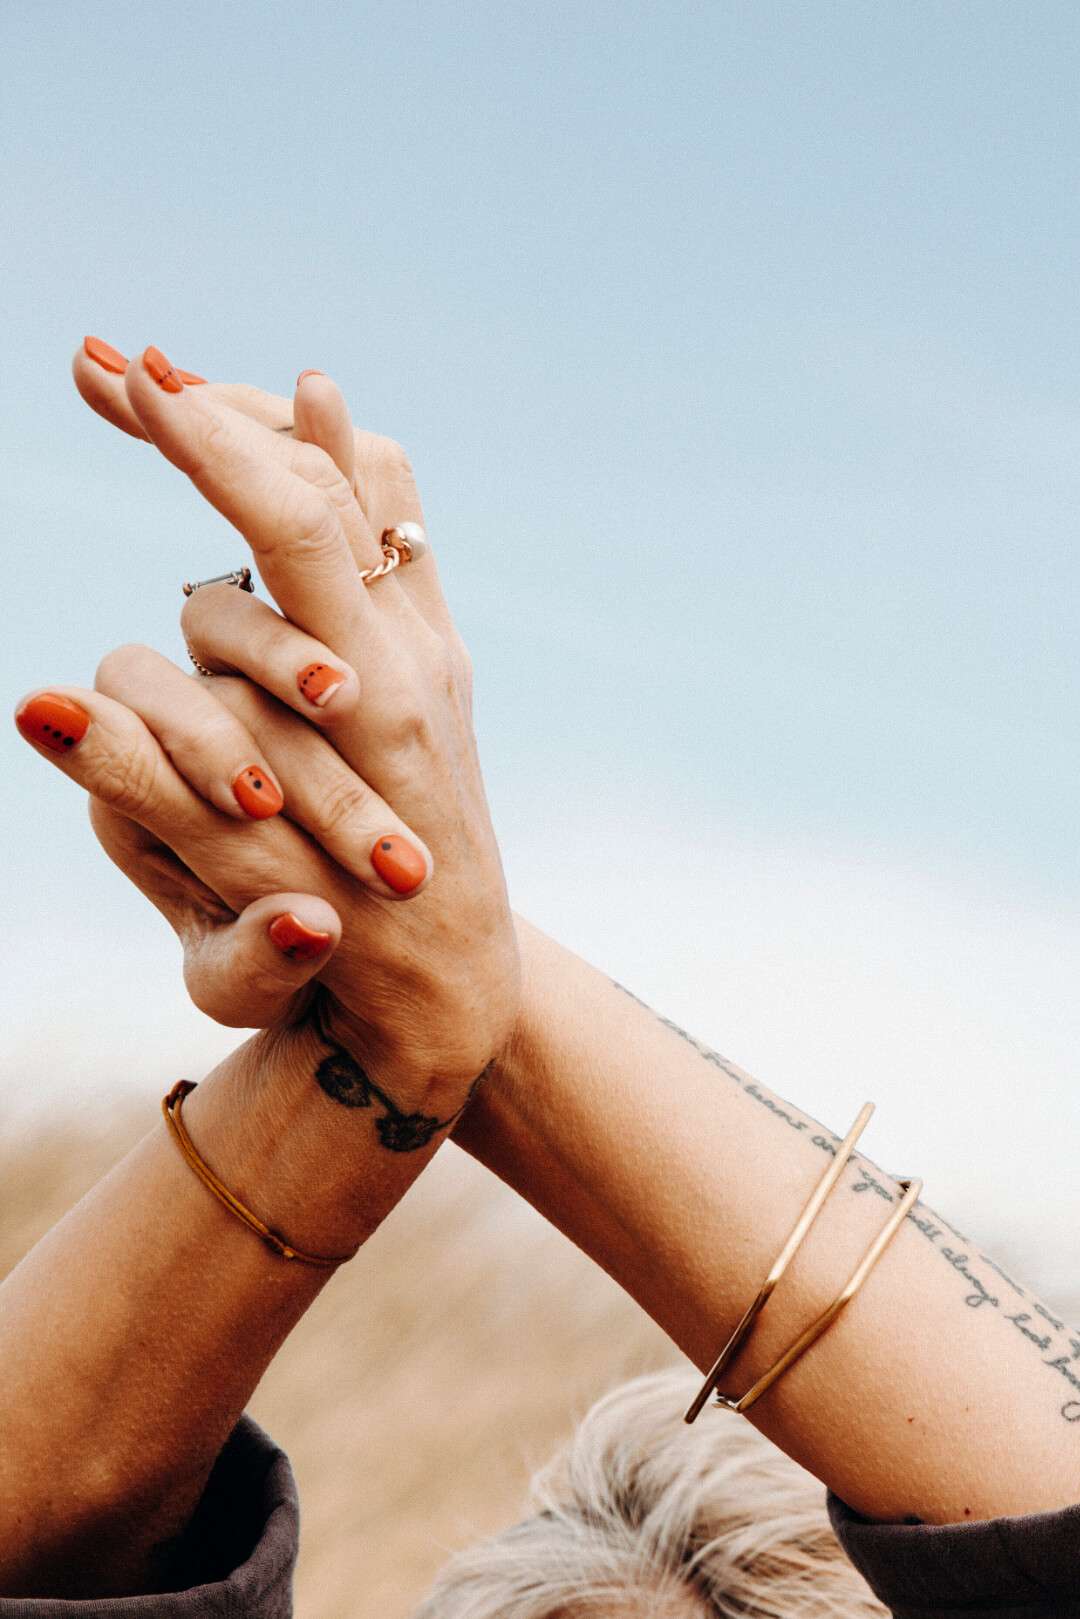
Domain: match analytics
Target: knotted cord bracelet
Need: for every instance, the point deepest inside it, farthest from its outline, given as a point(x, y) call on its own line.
point(171, 1106)
point(912, 1188)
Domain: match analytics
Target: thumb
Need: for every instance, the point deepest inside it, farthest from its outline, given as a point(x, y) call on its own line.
point(245, 972)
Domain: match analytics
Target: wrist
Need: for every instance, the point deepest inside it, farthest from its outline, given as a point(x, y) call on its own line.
point(315, 1143)
point(427, 1068)
point(518, 1077)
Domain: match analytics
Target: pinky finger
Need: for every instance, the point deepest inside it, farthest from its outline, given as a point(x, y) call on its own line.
point(321, 416)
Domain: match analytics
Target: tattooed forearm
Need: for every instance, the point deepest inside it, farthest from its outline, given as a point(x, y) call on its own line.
point(699, 1046)
point(346, 1081)
point(1058, 1345)
point(792, 1118)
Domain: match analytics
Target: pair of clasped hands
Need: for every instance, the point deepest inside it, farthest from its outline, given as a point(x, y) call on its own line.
point(314, 814)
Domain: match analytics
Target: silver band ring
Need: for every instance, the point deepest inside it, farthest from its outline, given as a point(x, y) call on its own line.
point(400, 544)
point(241, 578)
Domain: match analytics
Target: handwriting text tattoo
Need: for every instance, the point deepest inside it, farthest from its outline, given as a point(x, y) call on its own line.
point(1057, 1344)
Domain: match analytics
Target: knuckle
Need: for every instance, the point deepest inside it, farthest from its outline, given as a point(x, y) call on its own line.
point(215, 448)
point(451, 672)
point(444, 673)
point(209, 604)
point(202, 996)
point(217, 736)
point(108, 826)
point(114, 672)
point(128, 781)
point(310, 522)
point(392, 458)
point(209, 993)
point(265, 984)
point(344, 806)
point(247, 702)
point(271, 645)
point(463, 670)
point(408, 729)
point(315, 466)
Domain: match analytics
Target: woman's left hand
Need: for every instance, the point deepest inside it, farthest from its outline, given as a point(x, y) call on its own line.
point(426, 986)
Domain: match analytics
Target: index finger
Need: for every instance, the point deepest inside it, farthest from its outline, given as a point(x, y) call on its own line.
point(288, 500)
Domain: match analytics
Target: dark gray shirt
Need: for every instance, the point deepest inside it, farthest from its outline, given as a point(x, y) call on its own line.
point(240, 1551)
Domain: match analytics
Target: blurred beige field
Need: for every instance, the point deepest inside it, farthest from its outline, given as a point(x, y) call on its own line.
point(432, 1375)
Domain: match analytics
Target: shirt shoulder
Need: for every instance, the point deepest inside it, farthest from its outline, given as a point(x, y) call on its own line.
point(1009, 1568)
point(238, 1554)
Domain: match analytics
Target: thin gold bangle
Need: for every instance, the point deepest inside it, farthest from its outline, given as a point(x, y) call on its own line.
point(783, 1259)
point(912, 1188)
point(170, 1106)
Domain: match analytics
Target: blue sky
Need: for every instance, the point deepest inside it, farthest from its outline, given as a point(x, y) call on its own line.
point(736, 347)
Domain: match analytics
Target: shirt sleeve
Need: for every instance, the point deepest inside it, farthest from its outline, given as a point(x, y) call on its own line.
point(998, 1568)
point(237, 1556)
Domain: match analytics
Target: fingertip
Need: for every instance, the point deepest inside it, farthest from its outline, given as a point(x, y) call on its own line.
point(104, 355)
point(334, 690)
point(298, 942)
point(257, 793)
point(303, 927)
point(51, 720)
point(102, 387)
point(404, 867)
point(161, 370)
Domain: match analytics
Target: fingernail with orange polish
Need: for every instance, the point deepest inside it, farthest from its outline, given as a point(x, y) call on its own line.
point(189, 378)
point(399, 864)
point(296, 941)
point(304, 374)
point(319, 682)
point(105, 355)
point(257, 794)
point(55, 722)
point(161, 370)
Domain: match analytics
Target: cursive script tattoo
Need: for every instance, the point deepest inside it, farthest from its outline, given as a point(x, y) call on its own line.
point(344, 1080)
point(1058, 1345)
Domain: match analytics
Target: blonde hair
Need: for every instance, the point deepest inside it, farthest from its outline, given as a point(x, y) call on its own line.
point(642, 1515)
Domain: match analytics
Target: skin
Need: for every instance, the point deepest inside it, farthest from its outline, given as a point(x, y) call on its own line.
point(323, 1120)
point(409, 743)
point(958, 1399)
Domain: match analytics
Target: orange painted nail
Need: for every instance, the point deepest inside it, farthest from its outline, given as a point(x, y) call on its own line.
point(189, 378)
point(257, 794)
point(56, 722)
point(161, 370)
point(110, 359)
point(400, 866)
point(304, 374)
point(319, 682)
point(296, 941)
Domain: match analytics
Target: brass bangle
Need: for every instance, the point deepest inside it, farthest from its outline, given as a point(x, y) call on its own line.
point(912, 1188)
point(170, 1107)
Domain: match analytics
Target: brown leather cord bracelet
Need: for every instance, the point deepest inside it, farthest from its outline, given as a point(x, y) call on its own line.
point(171, 1106)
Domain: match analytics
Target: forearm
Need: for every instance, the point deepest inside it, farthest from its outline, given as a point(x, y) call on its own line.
point(133, 1335)
point(944, 1389)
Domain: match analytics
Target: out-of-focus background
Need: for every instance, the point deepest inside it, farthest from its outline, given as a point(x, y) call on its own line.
point(736, 347)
